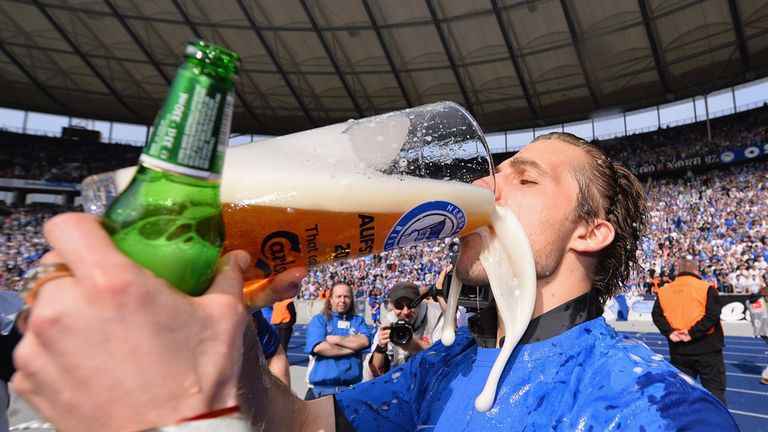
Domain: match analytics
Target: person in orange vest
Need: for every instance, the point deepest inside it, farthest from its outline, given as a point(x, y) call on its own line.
point(324, 294)
point(283, 319)
point(687, 312)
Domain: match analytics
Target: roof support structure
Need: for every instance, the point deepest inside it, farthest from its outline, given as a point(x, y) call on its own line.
point(87, 62)
point(331, 58)
point(387, 55)
point(119, 17)
point(32, 78)
point(276, 63)
point(513, 59)
point(654, 47)
point(454, 68)
point(739, 30)
point(579, 55)
point(197, 33)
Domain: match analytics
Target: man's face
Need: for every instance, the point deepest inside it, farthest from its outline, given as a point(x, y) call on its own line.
point(538, 186)
point(402, 309)
point(341, 298)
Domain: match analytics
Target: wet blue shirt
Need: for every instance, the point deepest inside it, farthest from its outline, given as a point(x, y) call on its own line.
point(588, 378)
point(335, 371)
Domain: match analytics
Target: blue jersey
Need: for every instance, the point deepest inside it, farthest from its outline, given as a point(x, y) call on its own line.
point(335, 371)
point(267, 313)
point(588, 378)
point(267, 335)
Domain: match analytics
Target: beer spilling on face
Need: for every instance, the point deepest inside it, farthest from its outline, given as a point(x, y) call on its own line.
point(168, 219)
point(508, 262)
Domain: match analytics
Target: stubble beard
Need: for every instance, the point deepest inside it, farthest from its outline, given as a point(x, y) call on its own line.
point(468, 268)
point(470, 271)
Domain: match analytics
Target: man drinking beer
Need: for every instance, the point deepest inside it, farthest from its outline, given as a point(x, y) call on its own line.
point(583, 216)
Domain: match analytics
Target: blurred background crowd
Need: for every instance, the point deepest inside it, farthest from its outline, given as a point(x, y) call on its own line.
point(681, 142)
point(36, 157)
point(718, 216)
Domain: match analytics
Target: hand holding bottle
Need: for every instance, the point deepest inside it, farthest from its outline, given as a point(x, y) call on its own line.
point(115, 348)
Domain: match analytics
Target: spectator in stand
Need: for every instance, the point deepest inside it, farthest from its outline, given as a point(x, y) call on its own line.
point(336, 339)
point(758, 313)
point(425, 319)
point(283, 319)
point(687, 312)
point(374, 301)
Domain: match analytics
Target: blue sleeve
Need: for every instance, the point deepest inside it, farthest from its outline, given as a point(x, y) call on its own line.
point(396, 400)
point(384, 403)
point(267, 335)
point(660, 400)
point(267, 312)
point(10, 305)
point(682, 405)
point(316, 333)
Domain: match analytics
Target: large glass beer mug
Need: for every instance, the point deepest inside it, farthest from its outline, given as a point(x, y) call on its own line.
point(347, 190)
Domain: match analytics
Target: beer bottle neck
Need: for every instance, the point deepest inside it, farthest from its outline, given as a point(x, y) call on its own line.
point(191, 131)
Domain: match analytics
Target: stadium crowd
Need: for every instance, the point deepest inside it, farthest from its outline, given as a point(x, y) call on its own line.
point(719, 217)
point(51, 159)
point(681, 142)
point(21, 239)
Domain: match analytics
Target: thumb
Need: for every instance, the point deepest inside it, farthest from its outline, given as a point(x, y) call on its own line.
point(229, 274)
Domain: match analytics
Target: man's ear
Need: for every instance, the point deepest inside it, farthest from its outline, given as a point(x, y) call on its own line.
point(593, 237)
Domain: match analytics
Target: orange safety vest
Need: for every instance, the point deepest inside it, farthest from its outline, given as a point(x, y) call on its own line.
point(684, 302)
point(280, 312)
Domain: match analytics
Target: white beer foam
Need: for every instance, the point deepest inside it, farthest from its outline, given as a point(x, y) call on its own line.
point(322, 169)
point(333, 174)
point(508, 261)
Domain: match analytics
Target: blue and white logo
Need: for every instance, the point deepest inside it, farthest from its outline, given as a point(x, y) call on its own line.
point(727, 157)
point(431, 220)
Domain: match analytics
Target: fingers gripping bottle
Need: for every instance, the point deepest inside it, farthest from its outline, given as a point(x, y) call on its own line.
point(168, 219)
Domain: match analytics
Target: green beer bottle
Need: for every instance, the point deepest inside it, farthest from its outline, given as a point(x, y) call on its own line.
point(168, 219)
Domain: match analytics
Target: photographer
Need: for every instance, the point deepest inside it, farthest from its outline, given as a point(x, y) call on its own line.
point(406, 329)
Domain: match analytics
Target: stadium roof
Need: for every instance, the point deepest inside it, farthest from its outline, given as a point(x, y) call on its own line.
point(307, 63)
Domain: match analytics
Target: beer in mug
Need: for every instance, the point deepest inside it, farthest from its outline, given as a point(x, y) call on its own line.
point(353, 189)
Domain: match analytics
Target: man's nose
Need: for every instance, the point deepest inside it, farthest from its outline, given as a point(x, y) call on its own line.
point(488, 182)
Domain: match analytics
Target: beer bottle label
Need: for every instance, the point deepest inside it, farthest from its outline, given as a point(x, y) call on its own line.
point(191, 131)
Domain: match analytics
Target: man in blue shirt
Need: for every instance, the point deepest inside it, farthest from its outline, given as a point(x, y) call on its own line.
point(583, 215)
point(336, 339)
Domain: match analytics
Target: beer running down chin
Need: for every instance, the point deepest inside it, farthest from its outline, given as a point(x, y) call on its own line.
point(390, 216)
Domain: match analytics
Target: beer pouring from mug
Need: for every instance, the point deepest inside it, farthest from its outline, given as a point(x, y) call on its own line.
point(349, 189)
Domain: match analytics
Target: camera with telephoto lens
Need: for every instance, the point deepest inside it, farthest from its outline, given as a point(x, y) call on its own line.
point(401, 333)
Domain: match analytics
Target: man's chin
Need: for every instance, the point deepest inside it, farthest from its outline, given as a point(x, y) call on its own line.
point(468, 268)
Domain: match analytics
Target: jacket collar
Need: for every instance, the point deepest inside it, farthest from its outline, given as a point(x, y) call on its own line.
point(688, 274)
point(568, 315)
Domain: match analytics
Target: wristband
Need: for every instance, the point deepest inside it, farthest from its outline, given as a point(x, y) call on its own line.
point(221, 412)
point(219, 424)
point(223, 419)
point(380, 349)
